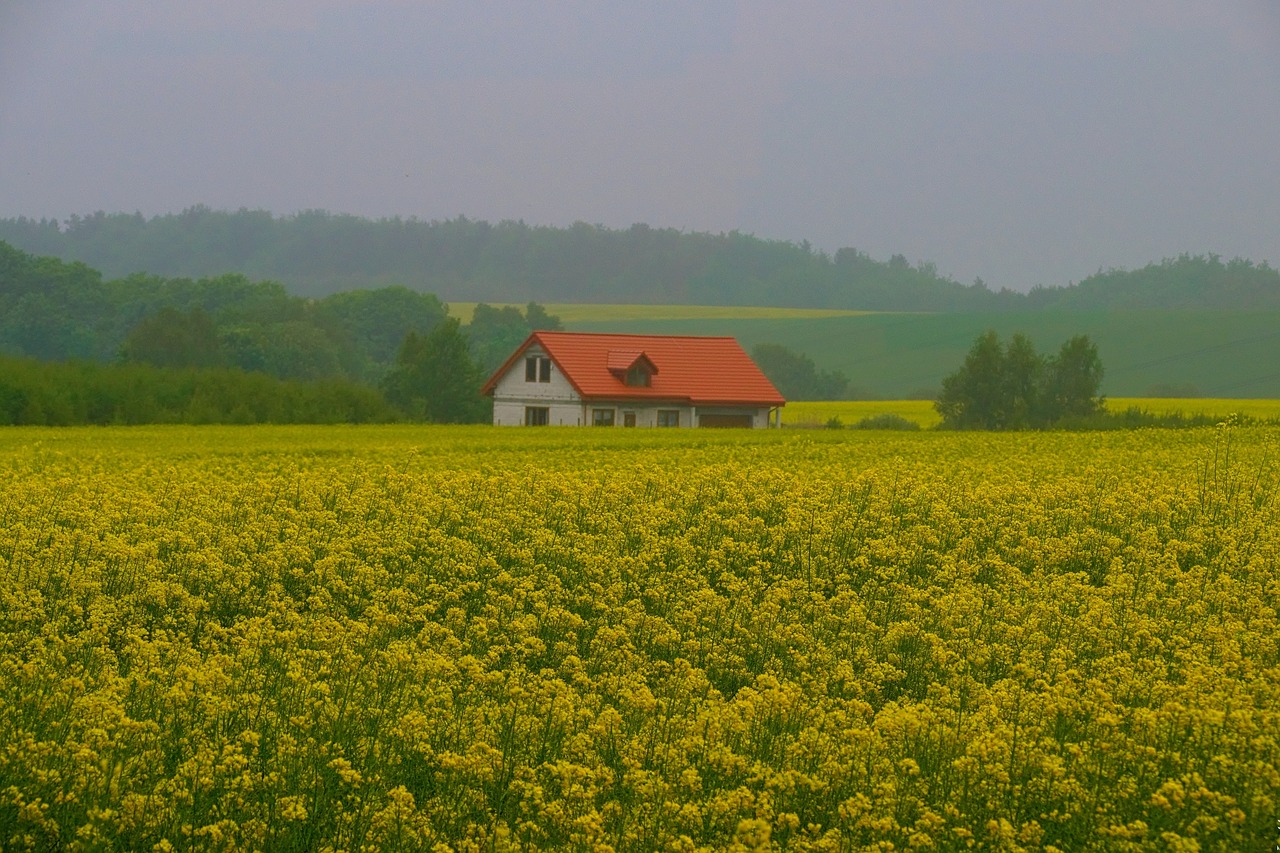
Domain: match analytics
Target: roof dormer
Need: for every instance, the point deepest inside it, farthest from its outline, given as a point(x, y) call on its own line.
point(632, 367)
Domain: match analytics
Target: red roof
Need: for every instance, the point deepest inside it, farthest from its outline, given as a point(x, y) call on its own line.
point(623, 359)
point(703, 371)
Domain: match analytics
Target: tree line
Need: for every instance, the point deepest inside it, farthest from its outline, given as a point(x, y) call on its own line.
point(148, 348)
point(316, 253)
point(36, 393)
point(796, 375)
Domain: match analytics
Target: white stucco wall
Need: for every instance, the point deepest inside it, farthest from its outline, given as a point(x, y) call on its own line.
point(646, 413)
point(513, 394)
point(511, 412)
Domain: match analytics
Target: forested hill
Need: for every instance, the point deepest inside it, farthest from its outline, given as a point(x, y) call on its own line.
point(317, 253)
point(52, 310)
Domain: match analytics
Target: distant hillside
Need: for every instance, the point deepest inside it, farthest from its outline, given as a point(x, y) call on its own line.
point(1144, 352)
point(1188, 281)
point(318, 253)
point(53, 310)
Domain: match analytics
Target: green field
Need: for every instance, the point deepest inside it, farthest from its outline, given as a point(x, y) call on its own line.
point(819, 412)
point(572, 313)
point(891, 356)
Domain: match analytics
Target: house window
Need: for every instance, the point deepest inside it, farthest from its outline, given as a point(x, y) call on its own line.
point(602, 417)
point(536, 415)
point(668, 417)
point(537, 368)
point(638, 376)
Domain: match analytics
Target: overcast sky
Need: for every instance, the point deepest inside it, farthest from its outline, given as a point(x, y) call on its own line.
point(1024, 142)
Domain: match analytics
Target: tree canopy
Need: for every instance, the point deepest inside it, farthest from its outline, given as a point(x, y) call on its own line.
point(1013, 387)
point(796, 376)
point(436, 380)
point(52, 311)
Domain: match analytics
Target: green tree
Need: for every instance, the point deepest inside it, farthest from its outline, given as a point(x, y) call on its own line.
point(975, 396)
point(494, 332)
point(298, 349)
point(538, 320)
point(1072, 380)
point(173, 338)
point(796, 376)
point(374, 322)
point(1014, 387)
point(435, 379)
point(1023, 375)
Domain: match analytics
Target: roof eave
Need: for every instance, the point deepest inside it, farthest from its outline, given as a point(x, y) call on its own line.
point(491, 383)
point(488, 388)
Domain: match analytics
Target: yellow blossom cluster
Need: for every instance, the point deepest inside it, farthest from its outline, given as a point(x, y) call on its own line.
point(466, 639)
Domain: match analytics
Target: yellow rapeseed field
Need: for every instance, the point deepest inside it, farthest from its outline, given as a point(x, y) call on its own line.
point(816, 413)
point(813, 413)
point(409, 638)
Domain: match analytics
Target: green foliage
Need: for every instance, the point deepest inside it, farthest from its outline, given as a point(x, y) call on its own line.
point(538, 320)
point(1185, 282)
point(1071, 382)
point(1013, 387)
point(888, 421)
point(48, 308)
point(374, 323)
point(70, 393)
point(57, 311)
point(796, 376)
point(436, 380)
point(494, 333)
point(173, 338)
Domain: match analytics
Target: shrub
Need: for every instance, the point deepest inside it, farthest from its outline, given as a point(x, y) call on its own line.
point(888, 420)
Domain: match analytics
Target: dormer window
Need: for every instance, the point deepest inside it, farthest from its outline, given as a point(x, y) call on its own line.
point(638, 375)
point(632, 367)
point(537, 368)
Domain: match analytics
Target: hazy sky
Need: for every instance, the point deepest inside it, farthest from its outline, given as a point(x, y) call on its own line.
point(1024, 142)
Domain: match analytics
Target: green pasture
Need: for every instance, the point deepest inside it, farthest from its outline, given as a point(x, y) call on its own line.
point(1221, 354)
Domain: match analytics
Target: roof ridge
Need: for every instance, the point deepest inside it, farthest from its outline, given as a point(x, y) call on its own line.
point(636, 335)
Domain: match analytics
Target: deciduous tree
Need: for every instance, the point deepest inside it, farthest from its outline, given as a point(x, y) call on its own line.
point(1014, 387)
point(435, 378)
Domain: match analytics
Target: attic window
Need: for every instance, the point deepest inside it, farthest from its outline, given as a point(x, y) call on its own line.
point(638, 375)
point(537, 368)
point(632, 367)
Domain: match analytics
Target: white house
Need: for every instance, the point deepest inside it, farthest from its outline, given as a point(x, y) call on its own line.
point(584, 379)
